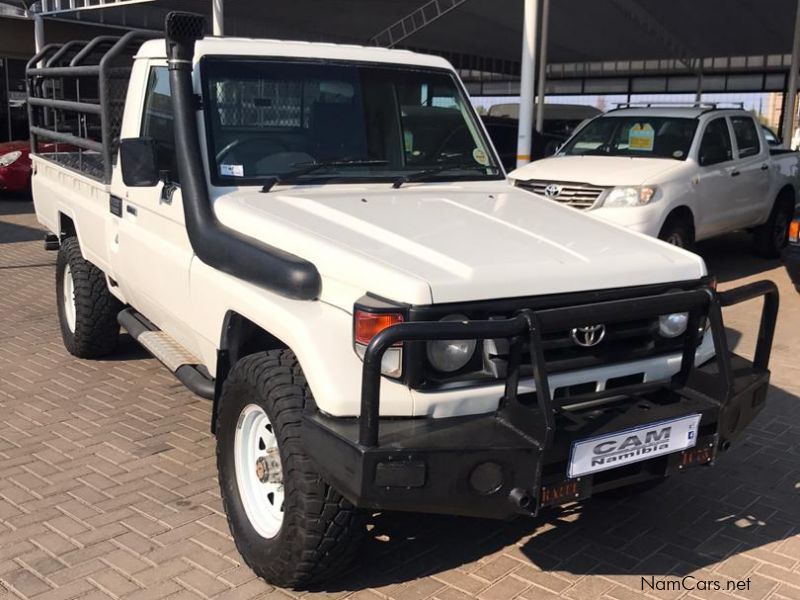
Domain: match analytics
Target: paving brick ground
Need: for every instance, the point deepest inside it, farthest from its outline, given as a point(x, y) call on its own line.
point(108, 489)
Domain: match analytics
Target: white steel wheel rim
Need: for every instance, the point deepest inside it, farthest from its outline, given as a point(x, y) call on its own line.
point(69, 298)
point(259, 474)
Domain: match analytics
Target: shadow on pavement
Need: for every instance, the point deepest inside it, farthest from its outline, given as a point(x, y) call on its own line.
point(14, 232)
point(731, 257)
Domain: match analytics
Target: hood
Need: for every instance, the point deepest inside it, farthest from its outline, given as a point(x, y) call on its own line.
point(605, 171)
point(448, 243)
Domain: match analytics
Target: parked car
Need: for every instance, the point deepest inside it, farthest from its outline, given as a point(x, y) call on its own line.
point(677, 173)
point(504, 134)
point(382, 321)
point(772, 139)
point(15, 165)
point(791, 256)
point(559, 119)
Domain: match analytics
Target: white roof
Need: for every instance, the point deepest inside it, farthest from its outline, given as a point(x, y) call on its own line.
point(232, 46)
point(687, 112)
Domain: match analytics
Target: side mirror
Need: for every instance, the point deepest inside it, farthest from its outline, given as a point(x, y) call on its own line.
point(138, 159)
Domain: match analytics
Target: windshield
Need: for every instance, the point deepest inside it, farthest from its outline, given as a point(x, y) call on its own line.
point(653, 137)
point(312, 123)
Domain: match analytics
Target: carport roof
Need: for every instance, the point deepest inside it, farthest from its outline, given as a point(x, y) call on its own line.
point(580, 30)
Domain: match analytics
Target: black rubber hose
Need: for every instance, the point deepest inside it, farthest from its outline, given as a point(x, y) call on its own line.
point(216, 245)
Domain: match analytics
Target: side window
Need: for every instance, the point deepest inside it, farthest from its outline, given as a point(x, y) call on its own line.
point(715, 147)
point(746, 136)
point(157, 121)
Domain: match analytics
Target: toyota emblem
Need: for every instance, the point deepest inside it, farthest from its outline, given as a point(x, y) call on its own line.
point(552, 190)
point(588, 336)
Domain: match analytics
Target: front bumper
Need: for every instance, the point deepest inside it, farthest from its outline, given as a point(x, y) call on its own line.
point(791, 258)
point(515, 460)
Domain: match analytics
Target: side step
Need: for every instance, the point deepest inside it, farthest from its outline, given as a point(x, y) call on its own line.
point(183, 364)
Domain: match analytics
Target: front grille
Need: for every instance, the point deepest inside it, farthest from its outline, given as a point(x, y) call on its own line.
point(622, 342)
point(577, 195)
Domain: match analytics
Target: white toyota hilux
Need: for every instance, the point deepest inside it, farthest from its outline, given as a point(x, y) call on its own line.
point(321, 240)
point(679, 173)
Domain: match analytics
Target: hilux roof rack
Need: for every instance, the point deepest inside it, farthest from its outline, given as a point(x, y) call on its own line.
point(706, 106)
point(76, 97)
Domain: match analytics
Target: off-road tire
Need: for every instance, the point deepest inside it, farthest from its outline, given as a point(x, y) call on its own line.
point(772, 237)
point(678, 232)
point(96, 331)
point(321, 531)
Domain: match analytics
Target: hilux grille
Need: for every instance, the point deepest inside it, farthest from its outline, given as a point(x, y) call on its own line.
point(577, 195)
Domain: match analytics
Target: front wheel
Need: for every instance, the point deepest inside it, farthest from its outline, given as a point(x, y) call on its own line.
point(678, 232)
point(290, 527)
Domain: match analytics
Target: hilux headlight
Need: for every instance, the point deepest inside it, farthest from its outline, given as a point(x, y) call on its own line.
point(625, 196)
point(9, 158)
point(449, 356)
point(671, 326)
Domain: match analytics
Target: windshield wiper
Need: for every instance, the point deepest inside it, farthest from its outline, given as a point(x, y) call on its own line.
point(314, 165)
point(428, 173)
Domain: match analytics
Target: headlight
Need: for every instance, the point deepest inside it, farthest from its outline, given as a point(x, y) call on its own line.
point(450, 355)
point(671, 326)
point(9, 158)
point(629, 196)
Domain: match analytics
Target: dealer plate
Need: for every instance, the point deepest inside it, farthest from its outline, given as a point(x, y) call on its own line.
point(632, 445)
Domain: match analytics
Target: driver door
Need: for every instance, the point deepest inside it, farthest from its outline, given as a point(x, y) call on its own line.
point(153, 253)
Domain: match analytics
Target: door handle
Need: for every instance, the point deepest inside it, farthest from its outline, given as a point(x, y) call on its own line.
point(130, 209)
point(735, 173)
point(764, 167)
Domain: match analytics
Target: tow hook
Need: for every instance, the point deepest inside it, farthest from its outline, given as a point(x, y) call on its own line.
point(521, 499)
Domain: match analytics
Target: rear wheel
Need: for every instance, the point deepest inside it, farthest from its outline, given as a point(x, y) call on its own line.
point(772, 237)
point(290, 526)
point(87, 311)
point(678, 232)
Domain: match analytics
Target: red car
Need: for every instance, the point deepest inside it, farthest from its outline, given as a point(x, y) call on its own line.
point(15, 165)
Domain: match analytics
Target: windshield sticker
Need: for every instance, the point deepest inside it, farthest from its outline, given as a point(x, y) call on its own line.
point(231, 170)
point(677, 154)
point(641, 137)
point(408, 140)
point(480, 157)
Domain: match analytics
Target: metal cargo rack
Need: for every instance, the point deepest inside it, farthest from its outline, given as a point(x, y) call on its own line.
point(76, 98)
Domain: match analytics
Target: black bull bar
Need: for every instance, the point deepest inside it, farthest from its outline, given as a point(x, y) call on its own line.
point(361, 473)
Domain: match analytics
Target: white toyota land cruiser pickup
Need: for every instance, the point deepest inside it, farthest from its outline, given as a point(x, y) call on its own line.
point(320, 239)
point(677, 173)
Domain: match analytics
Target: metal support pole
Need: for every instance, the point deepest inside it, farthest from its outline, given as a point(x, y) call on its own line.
point(542, 66)
point(218, 16)
point(38, 33)
point(790, 96)
point(527, 77)
point(698, 96)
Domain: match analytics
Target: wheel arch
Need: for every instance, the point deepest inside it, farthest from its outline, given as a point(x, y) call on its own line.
point(66, 226)
point(240, 337)
point(787, 194)
point(682, 212)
